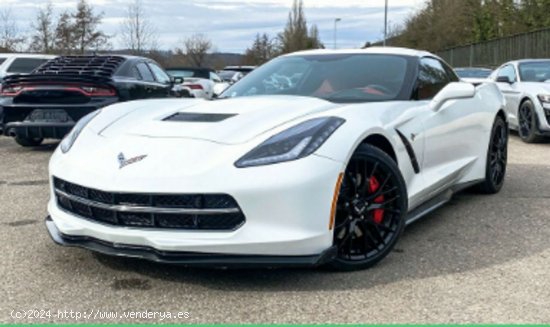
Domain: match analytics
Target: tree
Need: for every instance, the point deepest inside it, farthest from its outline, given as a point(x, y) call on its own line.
point(10, 38)
point(294, 37)
point(64, 35)
point(85, 28)
point(262, 50)
point(137, 31)
point(43, 37)
point(313, 40)
point(196, 49)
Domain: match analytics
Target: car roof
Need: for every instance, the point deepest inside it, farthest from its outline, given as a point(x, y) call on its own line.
point(370, 50)
point(26, 55)
point(521, 61)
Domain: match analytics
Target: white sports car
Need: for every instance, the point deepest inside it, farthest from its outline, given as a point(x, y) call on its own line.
point(526, 86)
point(325, 170)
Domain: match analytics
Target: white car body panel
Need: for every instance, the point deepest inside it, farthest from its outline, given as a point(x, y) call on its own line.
point(287, 205)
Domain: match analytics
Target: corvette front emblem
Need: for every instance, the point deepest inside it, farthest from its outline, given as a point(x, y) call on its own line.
point(123, 162)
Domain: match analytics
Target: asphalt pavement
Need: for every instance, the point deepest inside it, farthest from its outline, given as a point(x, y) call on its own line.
point(479, 259)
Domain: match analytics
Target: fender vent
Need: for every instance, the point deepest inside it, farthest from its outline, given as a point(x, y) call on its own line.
point(410, 152)
point(198, 117)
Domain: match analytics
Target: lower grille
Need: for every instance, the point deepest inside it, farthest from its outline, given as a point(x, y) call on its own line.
point(168, 211)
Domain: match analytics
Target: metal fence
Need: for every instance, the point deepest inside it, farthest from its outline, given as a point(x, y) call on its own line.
point(495, 52)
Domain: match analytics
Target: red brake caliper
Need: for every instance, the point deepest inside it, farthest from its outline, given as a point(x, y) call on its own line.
point(378, 214)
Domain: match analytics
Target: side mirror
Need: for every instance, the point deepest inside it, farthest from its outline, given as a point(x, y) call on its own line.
point(504, 79)
point(453, 91)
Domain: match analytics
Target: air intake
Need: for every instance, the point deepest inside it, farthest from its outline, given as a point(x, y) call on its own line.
point(198, 117)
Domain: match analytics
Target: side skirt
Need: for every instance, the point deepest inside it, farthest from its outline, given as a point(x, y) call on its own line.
point(437, 201)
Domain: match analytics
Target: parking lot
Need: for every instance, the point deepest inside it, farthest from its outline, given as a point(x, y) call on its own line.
point(478, 259)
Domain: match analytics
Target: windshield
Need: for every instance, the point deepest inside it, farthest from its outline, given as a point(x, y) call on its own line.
point(227, 75)
point(473, 72)
point(188, 73)
point(334, 77)
point(536, 71)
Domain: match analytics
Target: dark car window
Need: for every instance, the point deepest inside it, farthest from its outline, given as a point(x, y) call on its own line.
point(536, 71)
point(2, 60)
point(432, 77)
point(25, 65)
point(160, 75)
point(509, 72)
point(145, 72)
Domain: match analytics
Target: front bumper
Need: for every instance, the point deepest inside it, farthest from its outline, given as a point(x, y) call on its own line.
point(287, 206)
point(187, 258)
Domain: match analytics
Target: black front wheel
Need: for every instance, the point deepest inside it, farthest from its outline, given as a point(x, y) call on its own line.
point(527, 121)
point(28, 142)
point(497, 158)
point(371, 209)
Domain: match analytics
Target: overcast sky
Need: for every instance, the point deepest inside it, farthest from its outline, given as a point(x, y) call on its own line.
point(232, 24)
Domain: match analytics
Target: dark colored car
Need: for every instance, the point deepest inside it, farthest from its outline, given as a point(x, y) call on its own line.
point(48, 102)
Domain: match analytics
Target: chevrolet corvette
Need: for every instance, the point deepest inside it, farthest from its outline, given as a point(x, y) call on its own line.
point(315, 158)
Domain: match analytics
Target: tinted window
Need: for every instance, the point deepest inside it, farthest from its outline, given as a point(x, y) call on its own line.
point(508, 71)
point(25, 65)
point(160, 75)
point(432, 77)
point(337, 77)
point(2, 60)
point(537, 71)
point(473, 72)
point(145, 72)
point(198, 73)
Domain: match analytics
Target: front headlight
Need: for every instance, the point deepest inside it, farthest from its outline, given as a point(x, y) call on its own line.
point(70, 138)
point(294, 143)
point(544, 100)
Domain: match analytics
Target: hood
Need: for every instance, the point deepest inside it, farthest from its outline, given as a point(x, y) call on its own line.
point(541, 87)
point(227, 121)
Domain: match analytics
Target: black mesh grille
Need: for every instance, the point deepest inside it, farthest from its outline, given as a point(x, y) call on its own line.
point(101, 66)
point(89, 200)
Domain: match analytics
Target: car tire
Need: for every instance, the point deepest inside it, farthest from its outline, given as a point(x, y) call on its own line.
point(528, 123)
point(28, 142)
point(497, 155)
point(371, 208)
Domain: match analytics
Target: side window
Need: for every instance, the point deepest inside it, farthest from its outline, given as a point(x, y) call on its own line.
point(145, 72)
point(136, 74)
point(25, 65)
point(215, 77)
point(507, 71)
point(160, 75)
point(432, 77)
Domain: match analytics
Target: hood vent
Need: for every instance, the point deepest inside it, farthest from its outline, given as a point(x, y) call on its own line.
point(196, 117)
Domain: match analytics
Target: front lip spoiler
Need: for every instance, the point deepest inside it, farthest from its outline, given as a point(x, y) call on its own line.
point(194, 259)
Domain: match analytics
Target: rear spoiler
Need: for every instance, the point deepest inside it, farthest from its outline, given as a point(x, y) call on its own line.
point(67, 78)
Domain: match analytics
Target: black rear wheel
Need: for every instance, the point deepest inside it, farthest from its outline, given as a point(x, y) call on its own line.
point(371, 209)
point(497, 158)
point(527, 121)
point(28, 142)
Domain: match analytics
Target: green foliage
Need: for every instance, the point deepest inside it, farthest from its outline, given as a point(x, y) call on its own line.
point(443, 24)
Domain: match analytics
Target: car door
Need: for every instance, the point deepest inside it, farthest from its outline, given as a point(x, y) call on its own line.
point(510, 90)
point(449, 132)
point(163, 80)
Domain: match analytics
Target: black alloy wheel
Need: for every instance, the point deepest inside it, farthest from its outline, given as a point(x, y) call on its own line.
point(527, 121)
point(497, 158)
point(371, 209)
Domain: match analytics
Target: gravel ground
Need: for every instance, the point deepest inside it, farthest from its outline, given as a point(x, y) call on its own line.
point(479, 259)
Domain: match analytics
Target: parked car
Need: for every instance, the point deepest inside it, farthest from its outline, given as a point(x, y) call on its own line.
point(49, 102)
point(526, 86)
point(196, 82)
point(327, 170)
point(243, 69)
point(20, 63)
point(230, 76)
point(474, 75)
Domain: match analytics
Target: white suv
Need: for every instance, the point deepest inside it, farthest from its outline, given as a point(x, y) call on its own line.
point(19, 63)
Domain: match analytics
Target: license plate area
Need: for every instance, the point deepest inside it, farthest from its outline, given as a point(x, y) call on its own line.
point(49, 116)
